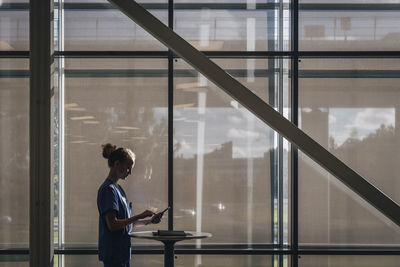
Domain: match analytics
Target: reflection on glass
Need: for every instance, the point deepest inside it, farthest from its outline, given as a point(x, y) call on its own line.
point(233, 26)
point(14, 28)
point(351, 108)
point(123, 102)
point(107, 29)
point(14, 153)
point(331, 214)
point(222, 158)
point(354, 26)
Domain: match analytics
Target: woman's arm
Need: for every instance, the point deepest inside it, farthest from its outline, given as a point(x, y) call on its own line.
point(114, 224)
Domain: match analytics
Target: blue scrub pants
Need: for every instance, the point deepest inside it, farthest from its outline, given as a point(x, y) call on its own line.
point(116, 264)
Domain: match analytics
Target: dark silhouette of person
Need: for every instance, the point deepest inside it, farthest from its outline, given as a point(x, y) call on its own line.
point(115, 218)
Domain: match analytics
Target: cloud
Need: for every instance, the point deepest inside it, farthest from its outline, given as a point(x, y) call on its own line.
point(186, 148)
point(238, 152)
point(234, 119)
point(372, 118)
point(242, 134)
point(332, 119)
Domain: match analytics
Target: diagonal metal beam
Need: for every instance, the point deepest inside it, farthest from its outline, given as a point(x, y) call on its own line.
point(259, 108)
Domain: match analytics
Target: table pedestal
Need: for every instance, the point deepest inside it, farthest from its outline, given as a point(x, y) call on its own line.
point(169, 242)
point(169, 252)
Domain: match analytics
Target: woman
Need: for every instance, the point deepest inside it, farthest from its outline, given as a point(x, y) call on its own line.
point(114, 211)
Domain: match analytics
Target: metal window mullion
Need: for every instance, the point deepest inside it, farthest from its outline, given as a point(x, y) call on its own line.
point(294, 119)
point(280, 138)
point(41, 90)
point(61, 137)
point(271, 101)
point(170, 122)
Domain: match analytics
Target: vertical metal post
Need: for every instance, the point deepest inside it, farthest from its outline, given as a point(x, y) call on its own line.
point(280, 138)
point(41, 91)
point(271, 101)
point(170, 122)
point(61, 131)
point(294, 119)
point(169, 253)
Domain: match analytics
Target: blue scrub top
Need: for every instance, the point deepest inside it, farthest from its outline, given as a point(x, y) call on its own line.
point(116, 245)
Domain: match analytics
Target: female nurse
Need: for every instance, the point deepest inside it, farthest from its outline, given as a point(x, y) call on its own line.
point(115, 219)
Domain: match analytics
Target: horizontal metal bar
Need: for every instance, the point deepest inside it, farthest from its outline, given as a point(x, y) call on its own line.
point(302, 251)
point(234, 252)
point(17, 54)
point(247, 54)
point(349, 73)
point(214, 54)
point(349, 252)
point(21, 251)
point(177, 6)
point(261, 109)
point(179, 73)
point(95, 251)
point(348, 54)
point(157, 54)
point(112, 54)
point(349, 7)
point(113, 73)
point(232, 54)
point(14, 6)
point(14, 73)
point(150, 6)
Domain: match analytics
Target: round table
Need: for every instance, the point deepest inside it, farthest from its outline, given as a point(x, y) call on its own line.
point(169, 242)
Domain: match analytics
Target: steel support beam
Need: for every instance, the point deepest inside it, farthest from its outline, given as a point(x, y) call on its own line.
point(259, 108)
point(41, 184)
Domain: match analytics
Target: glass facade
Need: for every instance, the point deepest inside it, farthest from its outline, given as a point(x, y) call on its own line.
point(199, 150)
point(106, 28)
point(349, 25)
point(14, 155)
point(14, 25)
point(222, 160)
point(350, 107)
point(130, 110)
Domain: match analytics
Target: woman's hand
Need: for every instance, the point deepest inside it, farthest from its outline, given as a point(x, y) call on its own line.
point(156, 218)
point(146, 213)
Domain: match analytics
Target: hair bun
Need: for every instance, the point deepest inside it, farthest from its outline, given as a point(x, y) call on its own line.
point(108, 149)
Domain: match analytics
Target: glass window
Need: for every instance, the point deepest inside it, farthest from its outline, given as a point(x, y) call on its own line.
point(348, 25)
point(14, 153)
point(124, 102)
point(100, 26)
point(223, 156)
point(349, 106)
point(234, 26)
point(14, 26)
